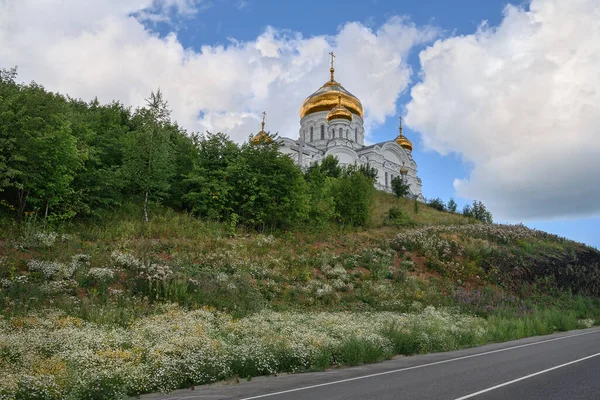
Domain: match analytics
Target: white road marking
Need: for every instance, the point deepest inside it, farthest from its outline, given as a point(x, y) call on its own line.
point(525, 377)
point(260, 396)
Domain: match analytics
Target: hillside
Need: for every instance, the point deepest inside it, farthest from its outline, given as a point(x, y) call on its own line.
point(105, 309)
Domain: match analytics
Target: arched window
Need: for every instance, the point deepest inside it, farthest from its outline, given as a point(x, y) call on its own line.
point(386, 179)
point(347, 134)
point(340, 132)
point(311, 133)
point(356, 135)
point(322, 132)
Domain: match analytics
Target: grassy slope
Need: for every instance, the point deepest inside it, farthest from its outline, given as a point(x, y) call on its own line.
point(487, 283)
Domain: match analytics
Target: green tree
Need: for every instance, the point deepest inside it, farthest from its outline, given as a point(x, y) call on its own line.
point(478, 211)
point(329, 166)
point(100, 131)
point(322, 202)
point(437, 204)
point(354, 195)
point(148, 165)
point(451, 206)
point(39, 153)
point(208, 187)
point(269, 187)
point(400, 188)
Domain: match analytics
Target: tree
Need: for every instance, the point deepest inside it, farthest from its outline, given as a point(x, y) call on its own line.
point(100, 131)
point(437, 204)
point(400, 188)
point(451, 206)
point(354, 194)
point(269, 187)
point(329, 166)
point(208, 187)
point(148, 157)
point(478, 211)
point(38, 152)
point(321, 201)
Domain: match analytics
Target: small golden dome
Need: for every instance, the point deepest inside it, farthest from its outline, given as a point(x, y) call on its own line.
point(326, 98)
point(403, 169)
point(402, 140)
point(339, 112)
point(262, 136)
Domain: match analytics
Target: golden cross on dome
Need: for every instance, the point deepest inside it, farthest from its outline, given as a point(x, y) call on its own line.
point(332, 70)
point(264, 114)
point(400, 125)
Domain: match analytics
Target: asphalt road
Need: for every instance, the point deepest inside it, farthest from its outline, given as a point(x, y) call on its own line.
point(560, 366)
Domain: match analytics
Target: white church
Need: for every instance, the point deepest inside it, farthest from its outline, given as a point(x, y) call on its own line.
point(331, 123)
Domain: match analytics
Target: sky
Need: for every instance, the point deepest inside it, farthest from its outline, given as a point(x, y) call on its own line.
point(501, 99)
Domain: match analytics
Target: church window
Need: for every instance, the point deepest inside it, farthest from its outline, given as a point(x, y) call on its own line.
point(356, 135)
point(347, 134)
point(311, 133)
point(322, 132)
point(340, 132)
point(386, 179)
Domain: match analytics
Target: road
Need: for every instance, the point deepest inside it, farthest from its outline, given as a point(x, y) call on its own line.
point(559, 366)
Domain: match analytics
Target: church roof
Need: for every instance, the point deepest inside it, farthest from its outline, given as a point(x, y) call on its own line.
point(326, 98)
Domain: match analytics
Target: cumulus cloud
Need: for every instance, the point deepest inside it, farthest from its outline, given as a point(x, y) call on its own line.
point(521, 104)
point(103, 49)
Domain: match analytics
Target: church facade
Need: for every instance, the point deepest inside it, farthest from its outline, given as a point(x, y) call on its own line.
point(331, 123)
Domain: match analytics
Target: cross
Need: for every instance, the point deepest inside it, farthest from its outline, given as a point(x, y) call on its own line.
point(400, 120)
point(264, 114)
point(332, 57)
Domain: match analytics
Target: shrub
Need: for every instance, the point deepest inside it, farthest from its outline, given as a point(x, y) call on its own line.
point(478, 211)
point(437, 204)
point(397, 217)
point(399, 188)
point(451, 206)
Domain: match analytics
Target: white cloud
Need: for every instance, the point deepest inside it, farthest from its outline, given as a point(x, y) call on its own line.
point(521, 103)
point(101, 48)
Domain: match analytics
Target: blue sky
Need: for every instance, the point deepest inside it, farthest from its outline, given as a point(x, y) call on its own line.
point(505, 111)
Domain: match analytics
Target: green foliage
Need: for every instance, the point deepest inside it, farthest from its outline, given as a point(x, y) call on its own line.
point(399, 188)
point(148, 161)
point(397, 217)
point(478, 211)
point(208, 185)
point(437, 204)
point(353, 194)
point(451, 206)
point(39, 153)
point(416, 206)
point(329, 166)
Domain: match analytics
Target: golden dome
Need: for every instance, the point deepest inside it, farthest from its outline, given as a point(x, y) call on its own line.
point(262, 136)
point(339, 112)
point(403, 169)
point(326, 98)
point(402, 140)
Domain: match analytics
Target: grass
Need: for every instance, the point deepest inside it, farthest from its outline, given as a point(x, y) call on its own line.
point(186, 297)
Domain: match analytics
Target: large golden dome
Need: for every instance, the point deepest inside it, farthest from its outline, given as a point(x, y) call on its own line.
point(326, 98)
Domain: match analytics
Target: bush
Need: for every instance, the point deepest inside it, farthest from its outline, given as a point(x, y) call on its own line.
point(399, 188)
point(478, 211)
point(451, 206)
point(397, 217)
point(354, 195)
point(437, 204)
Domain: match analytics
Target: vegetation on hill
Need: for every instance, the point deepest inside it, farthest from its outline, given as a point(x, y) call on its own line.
point(136, 258)
point(101, 310)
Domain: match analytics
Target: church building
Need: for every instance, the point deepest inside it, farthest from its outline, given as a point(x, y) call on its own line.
point(331, 123)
